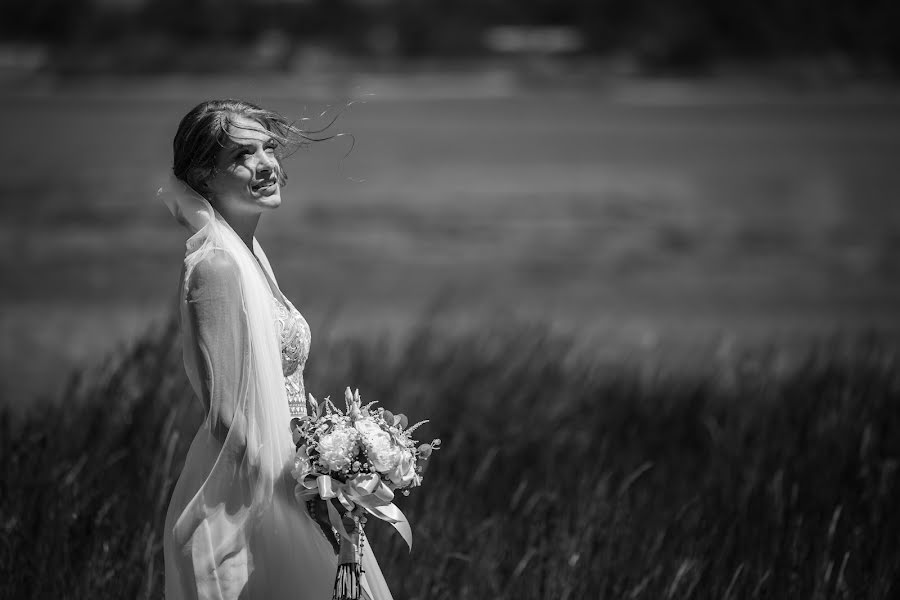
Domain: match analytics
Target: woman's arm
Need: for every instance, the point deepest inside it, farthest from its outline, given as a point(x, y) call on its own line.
point(216, 315)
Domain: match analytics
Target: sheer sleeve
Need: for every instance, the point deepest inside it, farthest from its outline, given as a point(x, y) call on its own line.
point(212, 529)
point(219, 325)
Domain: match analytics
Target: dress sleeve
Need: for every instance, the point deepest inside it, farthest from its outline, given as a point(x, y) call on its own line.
point(219, 323)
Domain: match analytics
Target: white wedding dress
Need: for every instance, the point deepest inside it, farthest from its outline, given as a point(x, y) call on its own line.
point(234, 530)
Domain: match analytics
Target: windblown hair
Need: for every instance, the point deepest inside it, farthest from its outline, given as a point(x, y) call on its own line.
point(205, 130)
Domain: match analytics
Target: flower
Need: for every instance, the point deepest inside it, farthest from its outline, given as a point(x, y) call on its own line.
point(404, 473)
point(337, 449)
point(381, 449)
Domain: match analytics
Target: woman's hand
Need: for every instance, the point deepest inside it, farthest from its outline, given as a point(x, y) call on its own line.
point(349, 518)
point(319, 512)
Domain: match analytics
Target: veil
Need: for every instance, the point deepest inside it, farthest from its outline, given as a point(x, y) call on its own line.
point(242, 359)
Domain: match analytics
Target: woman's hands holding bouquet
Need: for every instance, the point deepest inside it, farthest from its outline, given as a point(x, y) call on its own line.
point(347, 466)
point(319, 513)
point(360, 457)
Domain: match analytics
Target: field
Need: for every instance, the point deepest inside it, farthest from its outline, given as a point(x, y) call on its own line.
point(655, 326)
point(560, 476)
point(648, 216)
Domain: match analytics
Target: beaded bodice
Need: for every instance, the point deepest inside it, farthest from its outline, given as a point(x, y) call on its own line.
point(294, 334)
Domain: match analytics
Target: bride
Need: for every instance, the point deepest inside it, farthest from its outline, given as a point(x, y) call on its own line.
point(233, 528)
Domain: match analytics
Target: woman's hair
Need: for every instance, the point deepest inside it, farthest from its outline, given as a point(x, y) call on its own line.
point(205, 130)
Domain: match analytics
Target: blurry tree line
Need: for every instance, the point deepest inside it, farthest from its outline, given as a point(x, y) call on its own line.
point(660, 34)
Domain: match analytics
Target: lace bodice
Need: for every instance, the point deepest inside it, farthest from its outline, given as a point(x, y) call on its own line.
point(295, 337)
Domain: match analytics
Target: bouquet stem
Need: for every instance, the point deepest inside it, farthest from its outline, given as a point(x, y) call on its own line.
point(347, 584)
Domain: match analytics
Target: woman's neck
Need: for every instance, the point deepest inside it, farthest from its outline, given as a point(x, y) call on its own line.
point(243, 223)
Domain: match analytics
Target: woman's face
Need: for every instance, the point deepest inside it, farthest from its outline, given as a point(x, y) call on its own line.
point(246, 178)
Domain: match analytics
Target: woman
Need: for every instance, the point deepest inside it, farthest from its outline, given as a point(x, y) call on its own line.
point(233, 527)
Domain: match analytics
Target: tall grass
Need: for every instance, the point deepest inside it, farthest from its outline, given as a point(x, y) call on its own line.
point(561, 476)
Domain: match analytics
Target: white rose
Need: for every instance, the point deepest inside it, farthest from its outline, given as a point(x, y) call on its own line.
point(368, 427)
point(379, 446)
point(337, 449)
point(404, 473)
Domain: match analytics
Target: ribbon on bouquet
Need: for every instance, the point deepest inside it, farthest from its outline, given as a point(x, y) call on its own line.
point(365, 490)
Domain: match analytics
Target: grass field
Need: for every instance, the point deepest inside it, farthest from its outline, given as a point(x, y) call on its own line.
point(642, 215)
point(561, 476)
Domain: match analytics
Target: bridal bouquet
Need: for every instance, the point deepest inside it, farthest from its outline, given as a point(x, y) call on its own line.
point(360, 456)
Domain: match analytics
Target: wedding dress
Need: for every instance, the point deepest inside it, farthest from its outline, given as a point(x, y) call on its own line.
point(234, 530)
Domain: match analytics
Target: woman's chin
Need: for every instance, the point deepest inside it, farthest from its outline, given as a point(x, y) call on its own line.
point(269, 201)
point(273, 201)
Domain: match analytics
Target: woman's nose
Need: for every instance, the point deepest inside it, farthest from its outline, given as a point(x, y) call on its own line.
point(266, 164)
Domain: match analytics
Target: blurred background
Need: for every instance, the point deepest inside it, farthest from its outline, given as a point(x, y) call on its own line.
point(656, 174)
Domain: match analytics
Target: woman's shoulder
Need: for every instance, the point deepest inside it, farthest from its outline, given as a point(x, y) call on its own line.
point(217, 267)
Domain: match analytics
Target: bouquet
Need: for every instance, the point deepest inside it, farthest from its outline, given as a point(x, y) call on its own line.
point(360, 456)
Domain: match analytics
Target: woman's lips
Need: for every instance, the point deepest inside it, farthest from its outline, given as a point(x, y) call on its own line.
point(266, 188)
